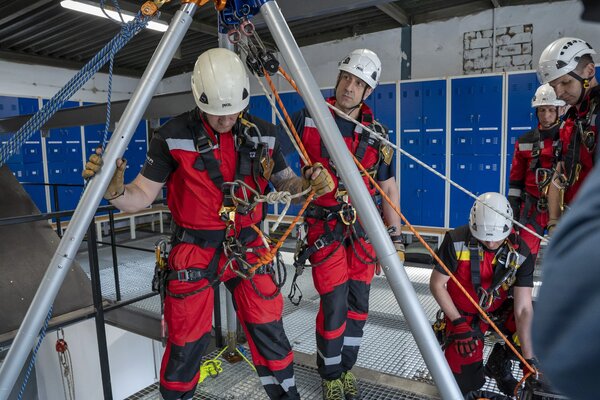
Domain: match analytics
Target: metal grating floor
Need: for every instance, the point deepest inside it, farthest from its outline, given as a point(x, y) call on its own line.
point(238, 381)
point(388, 346)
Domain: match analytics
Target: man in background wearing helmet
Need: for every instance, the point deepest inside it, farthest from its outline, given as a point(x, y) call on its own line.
point(197, 155)
point(567, 65)
point(491, 263)
point(532, 167)
point(343, 260)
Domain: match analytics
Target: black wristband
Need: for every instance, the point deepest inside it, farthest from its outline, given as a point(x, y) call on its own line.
point(117, 196)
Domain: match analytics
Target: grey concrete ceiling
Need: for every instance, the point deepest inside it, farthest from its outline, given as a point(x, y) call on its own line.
point(42, 32)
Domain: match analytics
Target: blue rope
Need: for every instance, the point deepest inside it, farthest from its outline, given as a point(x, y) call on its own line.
point(34, 353)
point(127, 32)
point(108, 100)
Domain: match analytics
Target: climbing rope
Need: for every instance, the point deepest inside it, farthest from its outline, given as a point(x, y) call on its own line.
point(38, 120)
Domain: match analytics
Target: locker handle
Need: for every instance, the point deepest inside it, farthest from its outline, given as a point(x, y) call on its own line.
point(472, 117)
point(425, 119)
point(478, 117)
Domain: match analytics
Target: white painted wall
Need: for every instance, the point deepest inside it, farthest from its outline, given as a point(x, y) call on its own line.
point(134, 363)
point(437, 46)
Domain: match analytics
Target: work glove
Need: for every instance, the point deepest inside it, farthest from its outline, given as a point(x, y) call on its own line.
point(533, 362)
point(317, 177)
point(399, 245)
point(116, 187)
point(463, 337)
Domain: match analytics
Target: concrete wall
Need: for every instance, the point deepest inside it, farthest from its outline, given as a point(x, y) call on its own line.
point(437, 46)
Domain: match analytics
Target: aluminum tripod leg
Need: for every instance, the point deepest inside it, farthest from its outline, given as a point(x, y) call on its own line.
point(394, 271)
point(67, 249)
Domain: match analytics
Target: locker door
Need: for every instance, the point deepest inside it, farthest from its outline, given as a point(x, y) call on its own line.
point(292, 102)
point(385, 103)
point(136, 152)
point(411, 190)
point(327, 93)
point(488, 108)
point(434, 117)
point(411, 117)
point(521, 117)
point(260, 107)
point(35, 173)
point(433, 191)
point(464, 115)
point(477, 174)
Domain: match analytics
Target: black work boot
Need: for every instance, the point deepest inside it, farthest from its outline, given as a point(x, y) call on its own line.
point(351, 390)
point(499, 367)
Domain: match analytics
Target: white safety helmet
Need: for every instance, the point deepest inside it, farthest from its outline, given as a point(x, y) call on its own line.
point(364, 64)
point(486, 224)
point(561, 57)
point(546, 96)
point(220, 83)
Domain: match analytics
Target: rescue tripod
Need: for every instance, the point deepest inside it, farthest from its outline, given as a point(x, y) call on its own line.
point(68, 246)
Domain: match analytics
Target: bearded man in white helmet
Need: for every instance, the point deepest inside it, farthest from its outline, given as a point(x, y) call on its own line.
point(567, 65)
point(532, 167)
point(495, 266)
point(199, 156)
point(343, 260)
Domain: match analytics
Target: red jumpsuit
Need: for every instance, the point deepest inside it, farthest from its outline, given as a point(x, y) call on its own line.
point(194, 200)
point(455, 253)
point(587, 154)
point(534, 155)
point(343, 269)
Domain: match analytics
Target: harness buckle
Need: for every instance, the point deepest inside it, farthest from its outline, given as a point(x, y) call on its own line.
point(227, 213)
point(347, 214)
point(183, 275)
point(319, 244)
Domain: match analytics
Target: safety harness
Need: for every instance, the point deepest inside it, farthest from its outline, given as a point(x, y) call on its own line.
point(254, 162)
point(583, 135)
point(505, 265)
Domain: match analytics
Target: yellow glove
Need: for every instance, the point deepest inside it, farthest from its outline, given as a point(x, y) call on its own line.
point(318, 177)
point(116, 187)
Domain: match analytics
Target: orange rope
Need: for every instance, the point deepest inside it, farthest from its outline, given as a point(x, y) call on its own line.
point(289, 79)
point(288, 120)
point(267, 258)
point(435, 256)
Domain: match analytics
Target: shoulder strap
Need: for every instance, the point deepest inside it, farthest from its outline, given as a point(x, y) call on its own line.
point(475, 264)
point(535, 150)
point(206, 160)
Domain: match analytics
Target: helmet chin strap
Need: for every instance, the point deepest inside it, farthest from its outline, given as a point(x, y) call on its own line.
point(585, 84)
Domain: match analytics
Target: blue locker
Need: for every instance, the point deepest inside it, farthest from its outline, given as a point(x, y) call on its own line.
point(261, 108)
point(434, 117)
point(292, 102)
point(9, 106)
point(327, 93)
point(411, 117)
point(433, 190)
point(35, 173)
point(476, 115)
point(521, 116)
point(477, 174)
point(136, 152)
point(411, 192)
point(32, 149)
point(385, 103)
point(67, 172)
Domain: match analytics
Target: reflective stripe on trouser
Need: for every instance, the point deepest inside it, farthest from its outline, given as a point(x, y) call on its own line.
point(343, 282)
point(189, 322)
point(261, 319)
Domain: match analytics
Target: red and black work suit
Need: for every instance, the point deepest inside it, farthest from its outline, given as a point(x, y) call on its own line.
point(342, 258)
point(579, 156)
point(184, 153)
point(455, 251)
point(531, 167)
